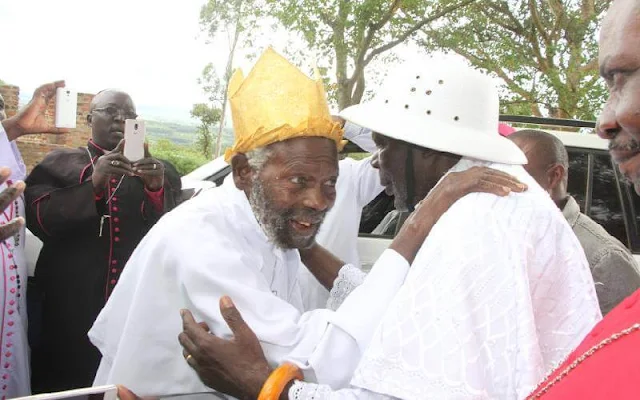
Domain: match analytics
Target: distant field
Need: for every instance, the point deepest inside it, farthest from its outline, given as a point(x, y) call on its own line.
point(180, 134)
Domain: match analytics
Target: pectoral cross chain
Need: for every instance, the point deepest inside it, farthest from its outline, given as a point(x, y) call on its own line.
point(102, 222)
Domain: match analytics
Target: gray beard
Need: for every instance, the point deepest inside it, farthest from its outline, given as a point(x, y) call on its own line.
point(275, 222)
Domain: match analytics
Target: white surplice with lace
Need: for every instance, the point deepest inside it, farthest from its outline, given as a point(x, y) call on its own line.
point(499, 294)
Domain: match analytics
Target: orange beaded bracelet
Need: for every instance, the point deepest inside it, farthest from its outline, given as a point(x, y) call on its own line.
point(278, 380)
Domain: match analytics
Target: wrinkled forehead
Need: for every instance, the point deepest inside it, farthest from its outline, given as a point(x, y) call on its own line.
point(113, 98)
point(620, 33)
point(306, 153)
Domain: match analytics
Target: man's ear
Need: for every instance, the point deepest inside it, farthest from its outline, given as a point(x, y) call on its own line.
point(89, 119)
point(242, 171)
point(555, 176)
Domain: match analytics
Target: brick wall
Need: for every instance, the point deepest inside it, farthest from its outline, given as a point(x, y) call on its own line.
point(35, 147)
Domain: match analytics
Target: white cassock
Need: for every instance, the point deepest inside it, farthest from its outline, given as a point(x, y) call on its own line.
point(213, 246)
point(499, 293)
point(14, 348)
point(358, 184)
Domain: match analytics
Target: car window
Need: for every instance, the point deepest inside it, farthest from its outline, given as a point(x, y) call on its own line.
point(606, 205)
point(578, 173)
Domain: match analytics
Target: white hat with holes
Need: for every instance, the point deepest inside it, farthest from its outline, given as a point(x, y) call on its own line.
point(440, 105)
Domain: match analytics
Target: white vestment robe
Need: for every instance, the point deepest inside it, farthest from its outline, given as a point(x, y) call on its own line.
point(14, 347)
point(499, 294)
point(212, 246)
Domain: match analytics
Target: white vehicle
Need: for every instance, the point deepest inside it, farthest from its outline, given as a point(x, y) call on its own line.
point(594, 181)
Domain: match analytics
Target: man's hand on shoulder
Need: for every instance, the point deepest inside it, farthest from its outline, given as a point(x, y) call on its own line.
point(32, 119)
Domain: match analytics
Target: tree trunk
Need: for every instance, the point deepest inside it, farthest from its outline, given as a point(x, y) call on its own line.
point(227, 77)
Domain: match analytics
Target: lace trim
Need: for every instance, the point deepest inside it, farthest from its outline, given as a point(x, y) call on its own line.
point(349, 278)
point(309, 391)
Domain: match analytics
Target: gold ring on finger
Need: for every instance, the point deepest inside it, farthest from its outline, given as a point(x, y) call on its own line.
point(115, 163)
point(189, 356)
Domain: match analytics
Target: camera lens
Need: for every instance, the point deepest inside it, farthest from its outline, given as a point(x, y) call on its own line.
point(68, 92)
point(136, 126)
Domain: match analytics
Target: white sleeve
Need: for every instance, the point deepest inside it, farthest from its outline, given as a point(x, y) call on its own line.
point(367, 181)
point(360, 136)
point(349, 278)
point(313, 391)
point(351, 327)
point(10, 157)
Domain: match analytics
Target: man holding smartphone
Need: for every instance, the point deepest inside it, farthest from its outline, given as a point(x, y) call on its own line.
point(90, 207)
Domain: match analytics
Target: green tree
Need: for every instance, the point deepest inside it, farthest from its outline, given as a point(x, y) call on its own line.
point(544, 51)
point(349, 34)
point(208, 117)
point(184, 158)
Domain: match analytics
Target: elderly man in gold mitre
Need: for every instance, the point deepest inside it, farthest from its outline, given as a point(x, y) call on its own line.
point(242, 239)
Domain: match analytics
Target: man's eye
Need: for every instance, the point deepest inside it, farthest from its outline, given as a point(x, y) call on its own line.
point(331, 182)
point(298, 180)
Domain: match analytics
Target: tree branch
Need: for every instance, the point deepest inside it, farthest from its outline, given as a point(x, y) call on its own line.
point(377, 51)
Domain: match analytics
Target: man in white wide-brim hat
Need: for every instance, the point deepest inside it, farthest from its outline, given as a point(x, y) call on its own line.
point(500, 290)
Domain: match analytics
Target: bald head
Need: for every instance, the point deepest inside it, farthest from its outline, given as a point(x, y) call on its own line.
point(548, 160)
point(108, 111)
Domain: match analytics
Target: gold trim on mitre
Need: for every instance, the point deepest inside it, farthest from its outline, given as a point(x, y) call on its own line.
point(277, 102)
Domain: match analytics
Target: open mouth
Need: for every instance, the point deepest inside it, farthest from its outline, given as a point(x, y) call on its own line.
point(304, 227)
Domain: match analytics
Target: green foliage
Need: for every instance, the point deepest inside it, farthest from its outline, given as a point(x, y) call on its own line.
point(545, 52)
point(184, 158)
point(208, 116)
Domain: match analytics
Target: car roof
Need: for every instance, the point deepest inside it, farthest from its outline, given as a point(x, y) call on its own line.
point(581, 140)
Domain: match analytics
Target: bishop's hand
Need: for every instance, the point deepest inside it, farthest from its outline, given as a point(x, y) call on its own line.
point(150, 170)
point(113, 163)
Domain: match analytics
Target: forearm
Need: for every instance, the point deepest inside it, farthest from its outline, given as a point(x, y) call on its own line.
point(419, 224)
point(12, 129)
point(322, 264)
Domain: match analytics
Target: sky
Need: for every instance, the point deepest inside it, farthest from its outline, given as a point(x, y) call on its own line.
point(151, 49)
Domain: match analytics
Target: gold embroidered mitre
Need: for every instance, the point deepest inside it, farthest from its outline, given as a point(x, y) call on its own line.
point(277, 102)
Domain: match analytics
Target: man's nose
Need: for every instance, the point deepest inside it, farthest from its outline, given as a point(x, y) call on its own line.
point(607, 126)
point(375, 160)
point(316, 199)
point(120, 116)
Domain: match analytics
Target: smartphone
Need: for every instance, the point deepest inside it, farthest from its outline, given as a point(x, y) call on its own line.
point(66, 108)
point(134, 133)
point(99, 392)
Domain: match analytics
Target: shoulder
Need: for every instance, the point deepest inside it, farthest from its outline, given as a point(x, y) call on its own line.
point(63, 164)
point(65, 155)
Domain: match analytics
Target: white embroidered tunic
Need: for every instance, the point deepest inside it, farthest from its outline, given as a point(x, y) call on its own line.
point(499, 293)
